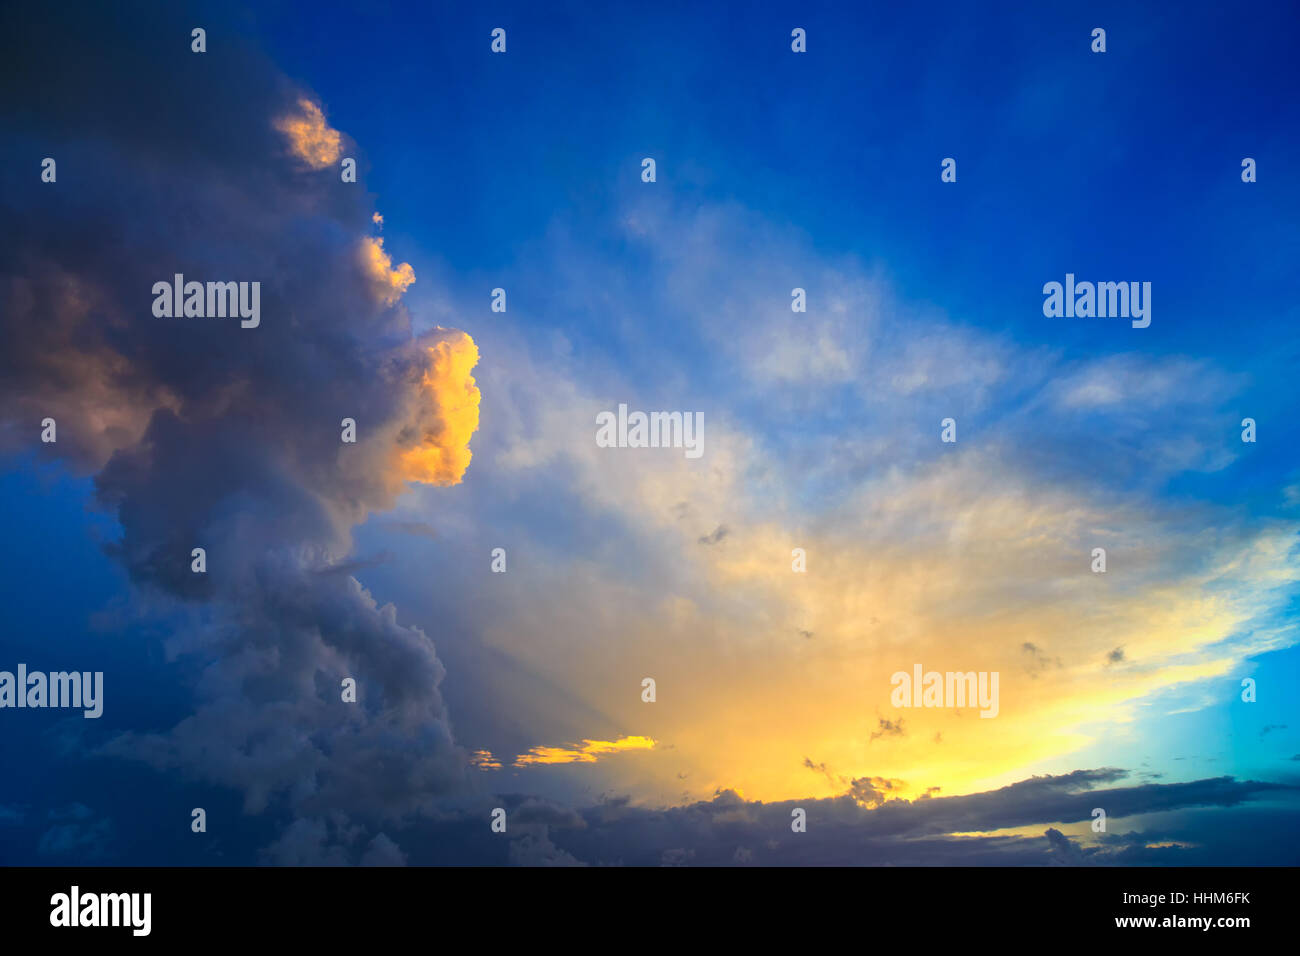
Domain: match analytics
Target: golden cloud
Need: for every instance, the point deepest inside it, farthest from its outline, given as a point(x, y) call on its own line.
point(589, 752)
point(451, 400)
point(388, 283)
point(310, 138)
point(484, 760)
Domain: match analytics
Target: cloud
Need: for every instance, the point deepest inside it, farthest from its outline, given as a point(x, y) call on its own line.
point(310, 138)
point(382, 851)
point(538, 811)
point(536, 849)
point(200, 433)
point(76, 834)
point(331, 840)
point(377, 265)
point(589, 752)
point(716, 535)
point(483, 760)
point(1063, 851)
point(872, 791)
point(434, 446)
point(1031, 822)
point(888, 728)
point(849, 468)
point(306, 842)
point(890, 553)
point(1038, 659)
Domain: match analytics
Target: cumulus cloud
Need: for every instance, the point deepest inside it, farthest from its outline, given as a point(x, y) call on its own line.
point(536, 849)
point(200, 433)
point(434, 444)
point(76, 833)
point(203, 434)
point(538, 811)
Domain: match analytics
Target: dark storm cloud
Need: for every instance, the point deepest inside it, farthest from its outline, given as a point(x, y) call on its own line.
point(534, 848)
point(535, 810)
point(205, 434)
point(847, 832)
point(1062, 850)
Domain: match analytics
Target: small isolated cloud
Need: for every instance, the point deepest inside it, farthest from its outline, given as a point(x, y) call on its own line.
point(589, 752)
point(436, 450)
point(871, 792)
point(822, 769)
point(484, 760)
point(310, 138)
point(716, 535)
point(888, 728)
point(76, 833)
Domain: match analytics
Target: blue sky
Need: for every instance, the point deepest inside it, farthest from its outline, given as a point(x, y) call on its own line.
point(774, 170)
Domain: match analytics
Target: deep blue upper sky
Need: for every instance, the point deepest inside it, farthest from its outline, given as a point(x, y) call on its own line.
point(1108, 165)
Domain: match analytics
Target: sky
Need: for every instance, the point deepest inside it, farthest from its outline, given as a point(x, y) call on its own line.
point(1159, 690)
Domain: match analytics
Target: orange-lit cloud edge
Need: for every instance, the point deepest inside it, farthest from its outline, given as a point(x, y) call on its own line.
point(436, 451)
